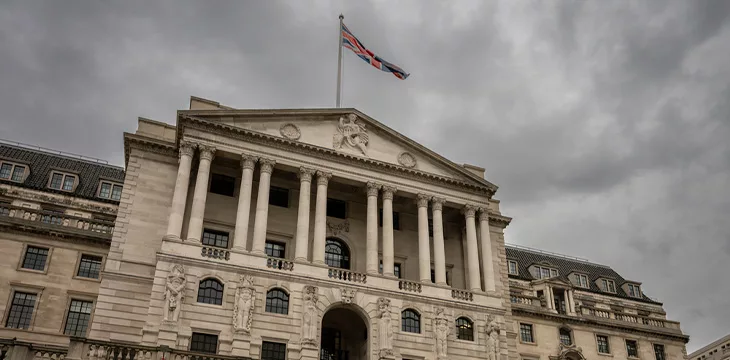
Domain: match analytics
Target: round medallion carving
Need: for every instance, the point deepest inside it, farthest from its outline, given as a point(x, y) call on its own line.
point(290, 131)
point(407, 159)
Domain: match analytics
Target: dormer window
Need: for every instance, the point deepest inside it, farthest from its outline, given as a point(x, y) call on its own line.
point(512, 267)
point(62, 181)
point(13, 172)
point(607, 285)
point(634, 290)
point(580, 280)
point(542, 272)
point(110, 190)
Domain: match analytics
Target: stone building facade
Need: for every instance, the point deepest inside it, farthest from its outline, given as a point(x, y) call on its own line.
point(322, 234)
point(717, 350)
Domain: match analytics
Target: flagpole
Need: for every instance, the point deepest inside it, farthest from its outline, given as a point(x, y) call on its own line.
point(339, 62)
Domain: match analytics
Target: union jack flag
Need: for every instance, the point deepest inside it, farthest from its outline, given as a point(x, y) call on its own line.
point(351, 42)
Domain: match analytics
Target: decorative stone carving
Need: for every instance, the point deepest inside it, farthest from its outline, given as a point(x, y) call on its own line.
point(323, 177)
point(373, 188)
point(422, 200)
point(248, 161)
point(483, 214)
point(385, 330)
point(388, 192)
point(305, 174)
point(174, 293)
point(207, 152)
point(469, 211)
point(290, 131)
point(267, 165)
point(437, 203)
point(492, 330)
point(186, 148)
point(310, 318)
point(347, 296)
point(566, 352)
point(441, 330)
point(336, 229)
point(352, 132)
point(407, 159)
point(243, 307)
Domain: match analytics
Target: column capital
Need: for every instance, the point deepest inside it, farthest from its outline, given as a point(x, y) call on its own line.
point(483, 214)
point(305, 174)
point(267, 165)
point(388, 192)
point(186, 148)
point(437, 203)
point(422, 200)
point(323, 177)
point(469, 210)
point(248, 161)
point(207, 152)
point(373, 188)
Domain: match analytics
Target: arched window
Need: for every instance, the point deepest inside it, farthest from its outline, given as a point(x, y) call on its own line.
point(410, 321)
point(210, 291)
point(277, 301)
point(336, 254)
point(566, 337)
point(464, 329)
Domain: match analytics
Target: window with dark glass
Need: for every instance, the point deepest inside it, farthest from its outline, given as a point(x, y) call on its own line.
point(396, 219)
point(566, 337)
point(275, 249)
point(89, 266)
point(68, 182)
point(56, 180)
point(336, 254)
point(12, 172)
point(433, 277)
point(336, 208)
point(273, 351)
point(410, 321)
point(396, 269)
point(21, 310)
point(109, 190)
point(5, 170)
point(210, 291)
point(117, 192)
point(35, 258)
point(215, 238)
point(659, 352)
point(52, 216)
point(279, 196)
point(581, 280)
point(222, 184)
point(18, 172)
point(608, 285)
point(632, 349)
point(204, 343)
point(512, 267)
point(77, 320)
point(526, 333)
point(277, 301)
point(603, 346)
point(464, 329)
point(634, 291)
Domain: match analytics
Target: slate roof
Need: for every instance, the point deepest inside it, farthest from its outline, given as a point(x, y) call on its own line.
point(41, 163)
point(565, 266)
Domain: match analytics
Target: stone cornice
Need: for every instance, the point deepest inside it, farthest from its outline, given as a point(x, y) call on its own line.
point(148, 144)
point(499, 220)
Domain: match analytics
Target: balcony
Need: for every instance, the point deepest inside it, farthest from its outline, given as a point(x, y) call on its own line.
point(56, 223)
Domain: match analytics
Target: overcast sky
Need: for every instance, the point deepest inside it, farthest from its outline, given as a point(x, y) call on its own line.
point(606, 124)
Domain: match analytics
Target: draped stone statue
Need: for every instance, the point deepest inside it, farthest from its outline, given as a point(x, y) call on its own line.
point(352, 132)
point(243, 306)
point(441, 330)
point(492, 338)
point(310, 318)
point(385, 330)
point(174, 293)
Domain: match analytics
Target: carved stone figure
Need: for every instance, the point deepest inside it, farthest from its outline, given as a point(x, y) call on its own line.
point(243, 307)
point(174, 293)
point(352, 132)
point(385, 330)
point(347, 295)
point(310, 318)
point(441, 329)
point(492, 338)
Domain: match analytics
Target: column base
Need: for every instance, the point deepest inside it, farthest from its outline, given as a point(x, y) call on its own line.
point(171, 237)
point(426, 281)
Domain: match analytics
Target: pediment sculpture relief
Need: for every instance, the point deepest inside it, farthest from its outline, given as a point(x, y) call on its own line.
point(352, 133)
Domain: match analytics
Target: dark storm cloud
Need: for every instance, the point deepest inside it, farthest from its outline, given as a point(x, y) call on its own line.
point(604, 123)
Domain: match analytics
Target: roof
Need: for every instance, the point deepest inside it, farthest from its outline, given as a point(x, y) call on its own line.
point(41, 163)
point(712, 346)
point(565, 265)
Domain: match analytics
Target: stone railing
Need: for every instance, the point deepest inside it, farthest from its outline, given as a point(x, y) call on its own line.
point(11, 349)
point(462, 295)
point(215, 253)
point(107, 351)
point(279, 264)
point(344, 275)
point(523, 299)
point(630, 318)
point(406, 285)
point(56, 221)
point(49, 354)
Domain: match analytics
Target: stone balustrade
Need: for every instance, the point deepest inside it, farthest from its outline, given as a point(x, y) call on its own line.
point(215, 253)
point(630, 318)
point(462, 295)
point(411, 286)
point(346, 275)
point(56, 221)
point(279, 264)
point(523, 299)
point(49, 354)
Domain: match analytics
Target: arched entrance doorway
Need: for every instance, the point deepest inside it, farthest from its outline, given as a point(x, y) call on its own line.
point(344, 335)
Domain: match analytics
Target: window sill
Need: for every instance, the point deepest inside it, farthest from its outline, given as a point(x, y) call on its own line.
point(40, 272)
point(528, 343)
point(83, 278)
point(604, 354)
point(213, 306)
point(284, 316)
point(465, 342)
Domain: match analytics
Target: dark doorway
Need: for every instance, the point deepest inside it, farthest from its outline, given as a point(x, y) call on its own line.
point(344, 335)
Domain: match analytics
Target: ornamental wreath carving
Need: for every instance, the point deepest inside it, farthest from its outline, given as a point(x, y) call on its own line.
point(290, 131)
point(492, 330)
point(407, 159)
point(441, 330)
point(351, 132)
point(310, 318)
point(174, 293)
point(243, 307)
point(385, 330)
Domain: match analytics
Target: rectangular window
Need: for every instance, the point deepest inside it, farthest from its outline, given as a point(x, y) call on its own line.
point(273, 351)
point(35, 258)
point(602, 342)
point(18, 173)
point(275, 249)
point(77, 320)
point(526, 333)
point(60, 181)
point(659, 352)
point(396, 269)
point(512, 267)
point(553, 273)
point(632, 349)
point(222, 184)
point(279, 196)
point(634, 291)
point(581, 280)
point(215, 238)
point(608, 285)
point(109, 190)
point(544, 273)
point(116, 192)
point(89, 266)
point(68, 182)
point(12, 172)
point(5, 170)
point(21, 310)
point(396, 220)
point(204, 343)
point(56, 181)
point(336, 208)
point(51, 218)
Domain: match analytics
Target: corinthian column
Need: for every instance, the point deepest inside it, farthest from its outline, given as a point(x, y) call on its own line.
point(471, 248)
point(487, 264)
point(424, 249)
point(195, 225)
point(262, 206)
point(388, 252)
point(320, 217)
point(439, 256)
point(243, 212)
point(372, 228)
point(180, 194)
point(302, 237)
